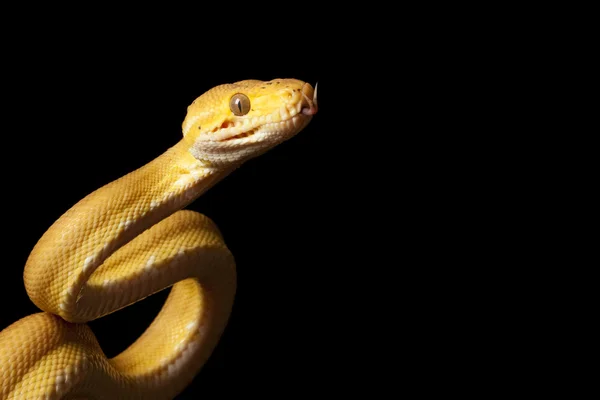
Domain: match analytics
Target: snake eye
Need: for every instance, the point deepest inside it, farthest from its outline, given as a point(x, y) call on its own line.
point(239, 104)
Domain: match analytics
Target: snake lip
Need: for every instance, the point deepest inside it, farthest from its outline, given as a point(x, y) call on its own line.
point(242, 135)
point(309, 106)
point(266, 127)
point(309, 110)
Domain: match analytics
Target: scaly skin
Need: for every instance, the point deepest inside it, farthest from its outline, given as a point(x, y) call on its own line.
point(130, 239)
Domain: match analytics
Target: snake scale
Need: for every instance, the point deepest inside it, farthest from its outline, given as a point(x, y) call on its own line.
point(131, 238)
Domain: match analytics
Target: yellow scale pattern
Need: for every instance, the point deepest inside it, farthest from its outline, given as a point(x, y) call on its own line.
point(130, 239)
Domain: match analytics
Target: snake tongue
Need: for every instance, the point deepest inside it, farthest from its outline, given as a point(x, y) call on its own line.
point(309, 107)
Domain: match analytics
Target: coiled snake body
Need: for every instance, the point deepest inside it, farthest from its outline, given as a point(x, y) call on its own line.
point(130, 239)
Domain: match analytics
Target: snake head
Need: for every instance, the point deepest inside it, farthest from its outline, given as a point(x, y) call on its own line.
point(234, 122)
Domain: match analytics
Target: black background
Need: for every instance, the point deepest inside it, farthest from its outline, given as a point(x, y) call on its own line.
point(78, 115)
point(367, 247)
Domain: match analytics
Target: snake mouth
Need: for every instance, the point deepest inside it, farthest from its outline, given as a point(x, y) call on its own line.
point(290, 125)
point(242, 135)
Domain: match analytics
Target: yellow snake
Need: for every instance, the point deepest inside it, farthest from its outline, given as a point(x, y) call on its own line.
point(130, 239)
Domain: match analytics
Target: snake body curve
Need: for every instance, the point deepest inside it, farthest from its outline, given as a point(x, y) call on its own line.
point(130, 239)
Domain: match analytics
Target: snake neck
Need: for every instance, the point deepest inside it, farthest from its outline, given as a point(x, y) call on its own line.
point(99, 224)
point(178, 178)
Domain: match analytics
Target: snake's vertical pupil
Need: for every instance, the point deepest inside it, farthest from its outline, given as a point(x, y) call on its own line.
point(239, 104)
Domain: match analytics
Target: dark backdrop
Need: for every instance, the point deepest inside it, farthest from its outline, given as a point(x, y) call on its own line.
point(78, 115)
point(375, 250)
point(363, 245)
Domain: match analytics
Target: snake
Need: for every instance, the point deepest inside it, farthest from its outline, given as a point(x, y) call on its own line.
point(132, 238)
